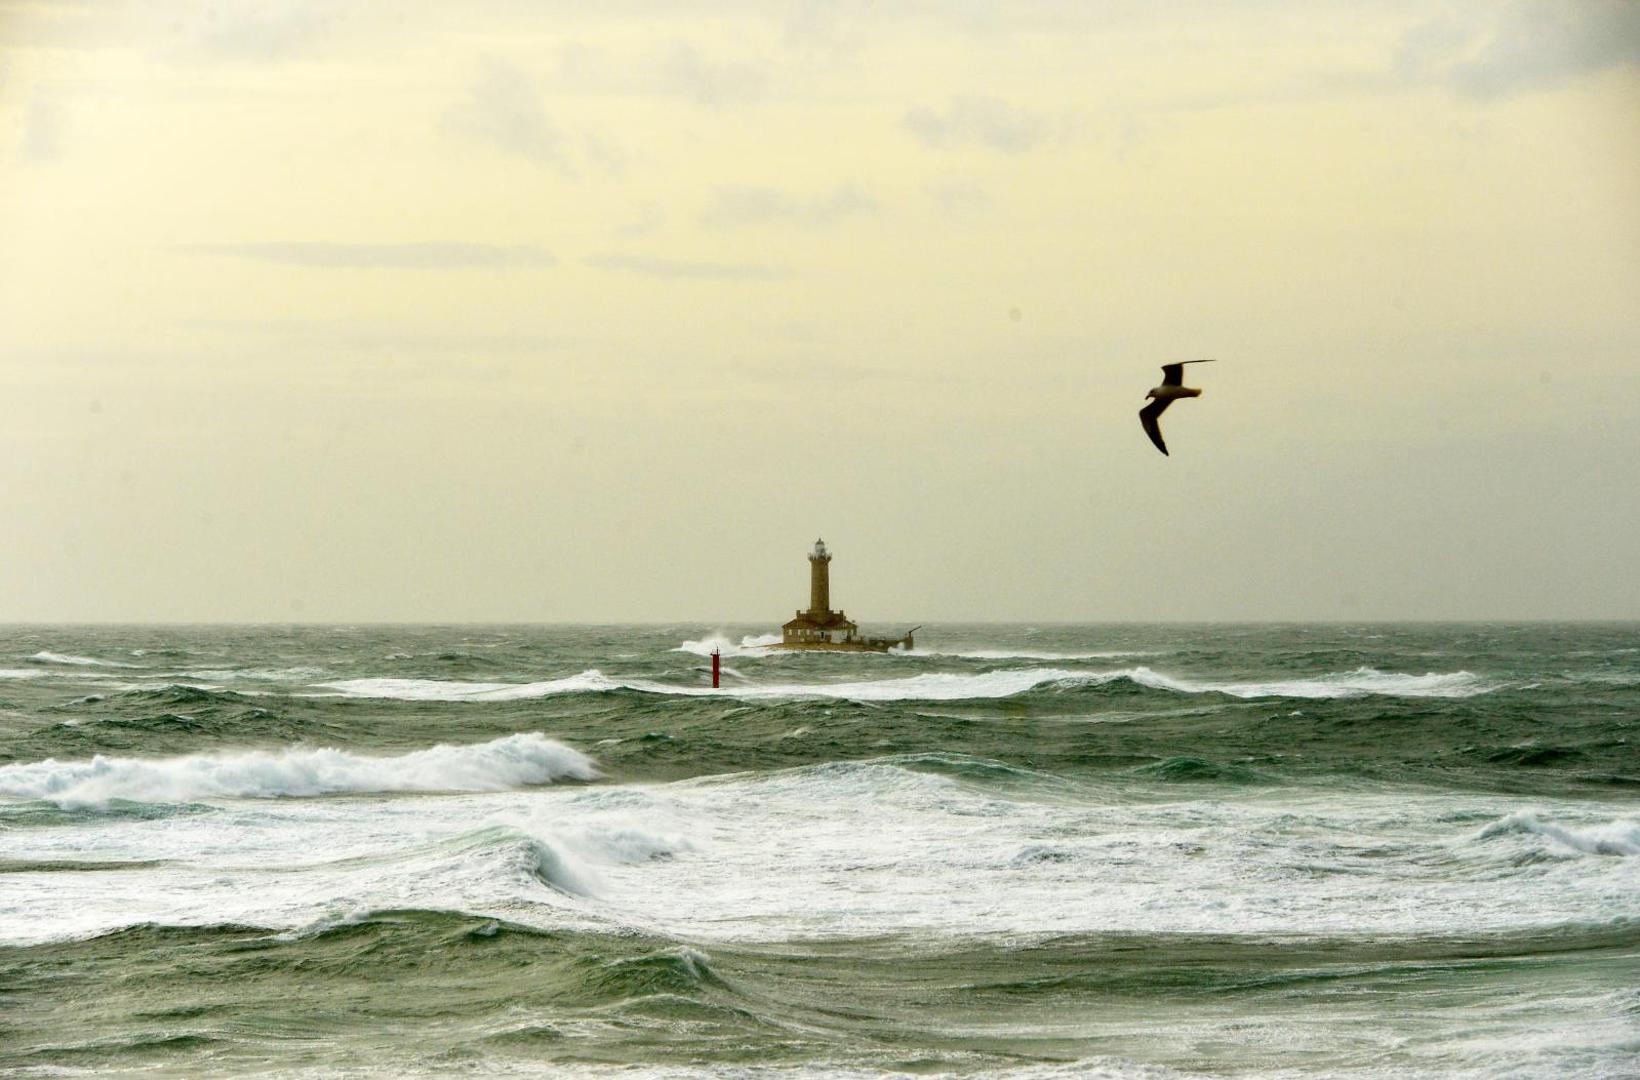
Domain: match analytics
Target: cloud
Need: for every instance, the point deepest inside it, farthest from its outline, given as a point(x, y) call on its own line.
point(42, 130)
point(769, 206)
point(962, 201)
point(503, 109)
point(257, 29)
point(424, 256)
point(685, 73)
point(676, 268)
point(985, 121)
point(394, 339)
point(1521, 46)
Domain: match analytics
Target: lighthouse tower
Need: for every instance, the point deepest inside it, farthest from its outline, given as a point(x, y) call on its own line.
point(819, 625)
point(819, 579)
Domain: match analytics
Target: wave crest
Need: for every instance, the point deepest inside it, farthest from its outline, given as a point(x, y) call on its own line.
point(750, 645)
point(1618, 837)
point(46, 657)
point(1361, 682)
point(513, 761)
point(937, 686)
point(1023, 654)
point(591, 681)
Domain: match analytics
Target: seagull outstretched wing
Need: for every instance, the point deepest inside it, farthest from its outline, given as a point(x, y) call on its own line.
point(1150, 416)
point(1173, 374)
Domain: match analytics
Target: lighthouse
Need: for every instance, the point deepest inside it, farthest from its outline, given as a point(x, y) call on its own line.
point(819, 625)
point(822, 628)
point(819, 580)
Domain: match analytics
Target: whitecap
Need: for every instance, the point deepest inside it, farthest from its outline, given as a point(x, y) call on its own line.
point(45, 657)
point(934, 686)
point(750, 645)
point(926, 687)
point(591, 681)
point(1022, 654)
point(510, 762)
point(1361, 682)
point(1620, 836)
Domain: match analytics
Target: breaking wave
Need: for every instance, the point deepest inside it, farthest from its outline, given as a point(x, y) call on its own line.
point(44, 657)
point(750, 645)
point(21, 673)
point(757, 645)
point(1618, 837)
point(934, 686)
point(1358, 683)
point(510, 762)
point(587, 682)
point(1022, 654)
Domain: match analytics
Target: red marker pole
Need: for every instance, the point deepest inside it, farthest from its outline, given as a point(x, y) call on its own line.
point(717, 666)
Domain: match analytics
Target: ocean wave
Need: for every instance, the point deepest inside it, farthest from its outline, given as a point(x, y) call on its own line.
point(926, 687)
point(1200, 770)
point(1607, 678)
point(1617, 837)
point(44, 657)
point(587, 682)
point(217, 675)
point(1022, 654)
point(500, 764)
point(22, 673)
point(1361, 682)
point(935, 686)
point(750, 645)
point(529, 858)
point(172, 694)
point(757, 645)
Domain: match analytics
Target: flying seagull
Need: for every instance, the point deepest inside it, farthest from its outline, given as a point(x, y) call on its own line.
point(1172, 388)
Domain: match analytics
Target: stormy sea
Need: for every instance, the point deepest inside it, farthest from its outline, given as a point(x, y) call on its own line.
point(1026, 851)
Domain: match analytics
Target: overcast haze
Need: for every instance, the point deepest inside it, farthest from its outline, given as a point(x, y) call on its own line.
point(522, 311)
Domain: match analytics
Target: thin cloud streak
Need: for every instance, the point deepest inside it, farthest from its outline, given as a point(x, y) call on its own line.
point(423, 256)
point(985, 121)
point(769, 206)
point(678, 268)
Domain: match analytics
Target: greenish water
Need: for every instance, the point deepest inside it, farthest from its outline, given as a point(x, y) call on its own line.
point(1057, 851)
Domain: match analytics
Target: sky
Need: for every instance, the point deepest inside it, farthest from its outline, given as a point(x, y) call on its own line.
point(499, 310)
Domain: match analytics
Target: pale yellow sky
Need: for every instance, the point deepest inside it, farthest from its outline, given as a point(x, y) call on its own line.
point(501, 310)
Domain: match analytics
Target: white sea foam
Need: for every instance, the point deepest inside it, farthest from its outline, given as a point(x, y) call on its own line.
point(1617, 837)
point(504, 763)
point(21, 673)
point(750, 645)
point(592, 681)
point(757, 645)
point(1358, 683)
point(1022, 654)
point(926, 687)
point(44, 657)
point(259, 674)
point(934, 686)
point(840, 849)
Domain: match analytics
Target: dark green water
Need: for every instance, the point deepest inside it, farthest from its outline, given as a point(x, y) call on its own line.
point(1098, 850)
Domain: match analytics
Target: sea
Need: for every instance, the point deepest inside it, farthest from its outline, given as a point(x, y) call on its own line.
point(1032, 851)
